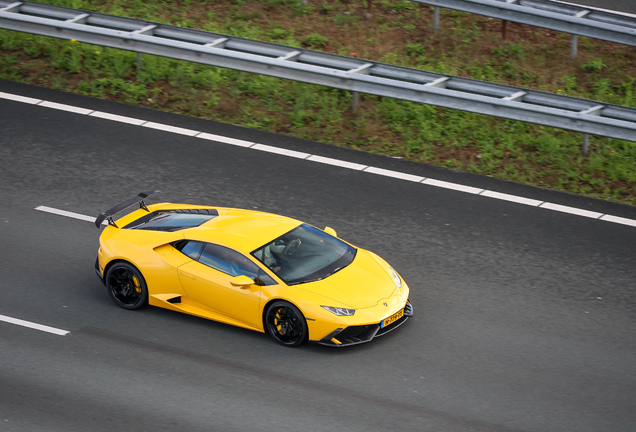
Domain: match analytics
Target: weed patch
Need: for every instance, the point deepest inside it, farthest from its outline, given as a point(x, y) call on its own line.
point(398, 32)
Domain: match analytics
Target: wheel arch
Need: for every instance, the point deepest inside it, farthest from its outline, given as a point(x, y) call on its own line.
point(118, 260)
point(272, 300)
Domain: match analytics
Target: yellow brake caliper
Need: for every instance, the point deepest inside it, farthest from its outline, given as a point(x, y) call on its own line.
point(137, 284)
point(279, 326)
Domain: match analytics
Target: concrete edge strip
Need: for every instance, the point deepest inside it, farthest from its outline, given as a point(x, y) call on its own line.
point(313, 158)
point(33, 325)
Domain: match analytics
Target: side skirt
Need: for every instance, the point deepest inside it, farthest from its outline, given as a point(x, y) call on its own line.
point(169, 301)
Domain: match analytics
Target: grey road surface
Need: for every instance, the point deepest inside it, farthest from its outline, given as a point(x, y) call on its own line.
point(525, 318)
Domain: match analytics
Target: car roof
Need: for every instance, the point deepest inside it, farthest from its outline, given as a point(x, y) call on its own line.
point(243, 230)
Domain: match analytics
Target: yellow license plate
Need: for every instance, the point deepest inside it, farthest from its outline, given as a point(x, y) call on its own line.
point(393, 318)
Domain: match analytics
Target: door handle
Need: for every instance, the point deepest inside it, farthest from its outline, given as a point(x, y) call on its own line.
point(188, 275)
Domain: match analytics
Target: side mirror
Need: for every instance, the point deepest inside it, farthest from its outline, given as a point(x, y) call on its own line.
point(242, 281)
point(331, 231)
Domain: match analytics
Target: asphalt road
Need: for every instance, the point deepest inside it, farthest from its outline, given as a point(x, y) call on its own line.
point(524, 317)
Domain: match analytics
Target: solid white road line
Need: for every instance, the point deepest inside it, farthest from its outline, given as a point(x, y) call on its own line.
point(307, 156)
point(394, 174)
point(173, 129)
point(571, 210)
point(512, 198)
point(226, 140)
point(32, 325)
point(19, 98)
point(454, 186)
point(618, 220)
point(337, 162)
point(66, 213)
point(62, 107)
point(117, 118)
point(281, 151)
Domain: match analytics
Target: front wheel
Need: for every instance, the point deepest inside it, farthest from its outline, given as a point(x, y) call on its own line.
point(126, 286)
point(286, 324)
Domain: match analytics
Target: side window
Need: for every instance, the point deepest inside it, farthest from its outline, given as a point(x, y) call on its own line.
point(219, 258)
point(190, 248)
point(233, 263)
point(264, 279)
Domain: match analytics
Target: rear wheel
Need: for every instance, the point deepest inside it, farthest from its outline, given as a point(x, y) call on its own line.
point(126, 286)
point(286, 324)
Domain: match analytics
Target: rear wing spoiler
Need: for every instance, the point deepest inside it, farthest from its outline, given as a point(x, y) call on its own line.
point(108, 214)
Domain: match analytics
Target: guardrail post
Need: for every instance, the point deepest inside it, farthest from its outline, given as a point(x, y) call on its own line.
point(581, 14)
point(365, 69)
point(355, 101)
point(586, 144)
point(140, 61)
point(504, 30)
point(435, 19)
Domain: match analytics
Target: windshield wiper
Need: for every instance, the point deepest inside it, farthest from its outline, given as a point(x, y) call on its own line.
point(337, 269)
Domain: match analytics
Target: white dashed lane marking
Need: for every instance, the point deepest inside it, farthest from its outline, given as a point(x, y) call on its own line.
point(310, 157)
point(33, 325)
point(68, 214)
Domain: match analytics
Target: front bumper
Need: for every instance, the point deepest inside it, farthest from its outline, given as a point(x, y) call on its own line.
point(354, 335)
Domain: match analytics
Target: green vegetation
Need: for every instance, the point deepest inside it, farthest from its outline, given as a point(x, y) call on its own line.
point(398, 32)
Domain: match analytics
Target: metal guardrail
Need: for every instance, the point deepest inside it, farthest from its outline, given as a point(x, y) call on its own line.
point(576, 20)
point(328, 70)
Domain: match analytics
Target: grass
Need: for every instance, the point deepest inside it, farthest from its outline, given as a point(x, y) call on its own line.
point(398, 32)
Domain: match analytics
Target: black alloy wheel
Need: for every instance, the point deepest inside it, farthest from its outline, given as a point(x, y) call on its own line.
point(286, 324)
point(126, 286)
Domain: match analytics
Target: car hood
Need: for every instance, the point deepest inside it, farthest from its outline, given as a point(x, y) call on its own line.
point(361, 284)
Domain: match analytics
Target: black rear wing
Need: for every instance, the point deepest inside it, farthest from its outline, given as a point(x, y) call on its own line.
point(108, 214)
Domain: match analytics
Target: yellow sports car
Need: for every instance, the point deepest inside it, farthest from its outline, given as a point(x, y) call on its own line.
point(255, 270)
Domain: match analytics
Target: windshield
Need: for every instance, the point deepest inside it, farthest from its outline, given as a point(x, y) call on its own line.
point(305, 254)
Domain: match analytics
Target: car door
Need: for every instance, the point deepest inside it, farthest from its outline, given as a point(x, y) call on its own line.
point(207, 281)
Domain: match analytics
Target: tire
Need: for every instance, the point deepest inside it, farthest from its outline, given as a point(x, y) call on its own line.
point(286, 324)
point(126, 286)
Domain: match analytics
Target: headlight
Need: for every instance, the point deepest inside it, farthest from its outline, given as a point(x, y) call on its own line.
point(396, 278)
point(340, 311)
